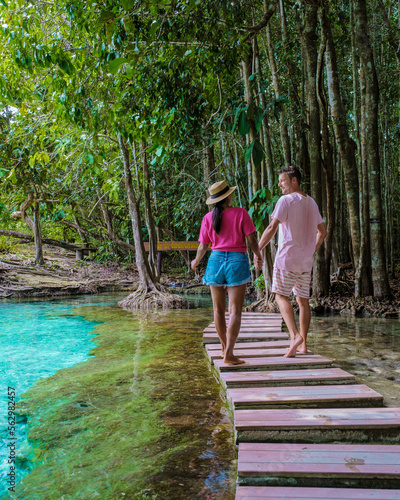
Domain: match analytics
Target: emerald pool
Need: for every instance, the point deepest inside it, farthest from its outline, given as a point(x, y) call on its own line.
point(116, 404)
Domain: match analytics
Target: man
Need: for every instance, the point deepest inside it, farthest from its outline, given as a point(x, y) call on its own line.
point(301, 234)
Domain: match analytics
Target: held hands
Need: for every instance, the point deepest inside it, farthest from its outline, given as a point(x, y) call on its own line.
point(258, 262)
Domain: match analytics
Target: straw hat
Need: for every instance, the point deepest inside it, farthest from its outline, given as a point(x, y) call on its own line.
point(219, 191)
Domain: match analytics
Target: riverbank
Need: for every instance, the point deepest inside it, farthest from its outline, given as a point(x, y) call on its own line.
point(61, 275)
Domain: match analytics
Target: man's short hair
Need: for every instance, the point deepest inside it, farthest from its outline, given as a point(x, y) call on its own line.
point(292, 172)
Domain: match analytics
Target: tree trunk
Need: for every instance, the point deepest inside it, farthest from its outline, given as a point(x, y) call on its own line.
point(249, 98)
point(147, 281)
point(46, 241)
point(346, 148)
point(278, 94)
point(309, 41)
point(37, 234)
point(149, 213)
point(34, 224)
point(370, 136)
point(327, 155)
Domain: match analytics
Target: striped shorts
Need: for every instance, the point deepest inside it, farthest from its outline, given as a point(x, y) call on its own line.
point(285, 281)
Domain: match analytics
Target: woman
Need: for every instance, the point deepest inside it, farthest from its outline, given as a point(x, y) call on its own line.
point(227, 228)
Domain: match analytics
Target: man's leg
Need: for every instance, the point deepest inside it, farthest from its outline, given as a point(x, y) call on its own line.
point(287, 312)
point(218, 294)
point(305, 318)
point(236, 300)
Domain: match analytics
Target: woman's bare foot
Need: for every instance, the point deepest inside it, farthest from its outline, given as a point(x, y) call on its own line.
point(223, 347)
point(293, 347)
point(233, 360)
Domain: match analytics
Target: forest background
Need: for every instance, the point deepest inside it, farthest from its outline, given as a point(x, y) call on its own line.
point(115, 117)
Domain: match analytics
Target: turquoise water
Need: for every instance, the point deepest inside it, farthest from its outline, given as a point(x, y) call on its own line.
point(172, 440)
point(175, 435)
point(36, 340)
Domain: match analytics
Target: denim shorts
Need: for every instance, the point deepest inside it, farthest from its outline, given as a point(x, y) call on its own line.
point(227, 269)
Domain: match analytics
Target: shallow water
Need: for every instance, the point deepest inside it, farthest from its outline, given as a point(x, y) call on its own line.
point(143, 416)
point(367, 347)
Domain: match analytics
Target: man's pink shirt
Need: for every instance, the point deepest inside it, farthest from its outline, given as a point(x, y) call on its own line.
point(236, 225)
point(299, 217)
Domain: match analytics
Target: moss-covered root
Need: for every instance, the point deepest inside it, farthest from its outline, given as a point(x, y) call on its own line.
point(152, 299)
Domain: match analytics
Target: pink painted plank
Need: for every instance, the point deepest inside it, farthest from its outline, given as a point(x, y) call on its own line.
point(278, 362)
point(248, 329)
point(273, 344)
point(252, 353)
point(293, 419)
point(260, 396)
point(266, 378)
point(213, 337)
point(293, 493)
point(348, 448)
point(286, 460)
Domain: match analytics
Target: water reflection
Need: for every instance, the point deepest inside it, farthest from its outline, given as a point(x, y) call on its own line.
point(366, 347)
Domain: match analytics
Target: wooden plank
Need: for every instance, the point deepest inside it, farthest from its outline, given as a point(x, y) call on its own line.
point(278, 363)
point(259, 315)
point(318, 460)
point(252, 353)
point(248, 329)
point(288, 377)
point(273, 344)
point(293, 493)
point(321, 395)
point(168, 246)
point(339, 418)
point(260, 321)
point(209, 338)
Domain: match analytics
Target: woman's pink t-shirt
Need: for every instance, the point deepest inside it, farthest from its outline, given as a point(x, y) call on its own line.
point(235, 226)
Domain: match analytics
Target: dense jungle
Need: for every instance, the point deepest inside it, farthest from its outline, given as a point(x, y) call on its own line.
point(115, 117)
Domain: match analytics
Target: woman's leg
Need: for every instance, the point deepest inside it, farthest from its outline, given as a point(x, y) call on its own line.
point(218, 294)
point(236, 300)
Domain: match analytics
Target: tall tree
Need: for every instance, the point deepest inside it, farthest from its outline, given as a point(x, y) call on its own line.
point(370, 148)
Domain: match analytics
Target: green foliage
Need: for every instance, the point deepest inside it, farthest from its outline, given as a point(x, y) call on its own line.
point(261, 205)
point(259, 282)
point(7, 245)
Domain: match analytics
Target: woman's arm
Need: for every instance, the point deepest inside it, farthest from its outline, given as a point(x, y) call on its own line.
point(201, 251)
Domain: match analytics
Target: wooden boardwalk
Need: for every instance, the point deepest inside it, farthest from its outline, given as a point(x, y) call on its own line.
point(305, 429)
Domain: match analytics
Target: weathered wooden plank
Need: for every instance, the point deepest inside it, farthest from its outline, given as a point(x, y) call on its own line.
point(318, 460)
point(293, 419)
point(259, 322)
point(252, 353)
point(250, 329)
point(259, 315)
point(278, 363)
point(293, 493)
point(209, 338)
point(288, 377)
point(273, 344)
point(314, 395)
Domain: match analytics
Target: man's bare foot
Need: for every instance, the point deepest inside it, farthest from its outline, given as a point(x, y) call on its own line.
point(293, 347)
point(303, 350)
point(233, 360)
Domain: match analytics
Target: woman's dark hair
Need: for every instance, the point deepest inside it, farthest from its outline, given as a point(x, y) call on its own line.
point(217, 215)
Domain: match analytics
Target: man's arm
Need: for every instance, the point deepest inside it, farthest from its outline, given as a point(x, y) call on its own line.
point(269, 233)
point(201, 251)
point(321, 235)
